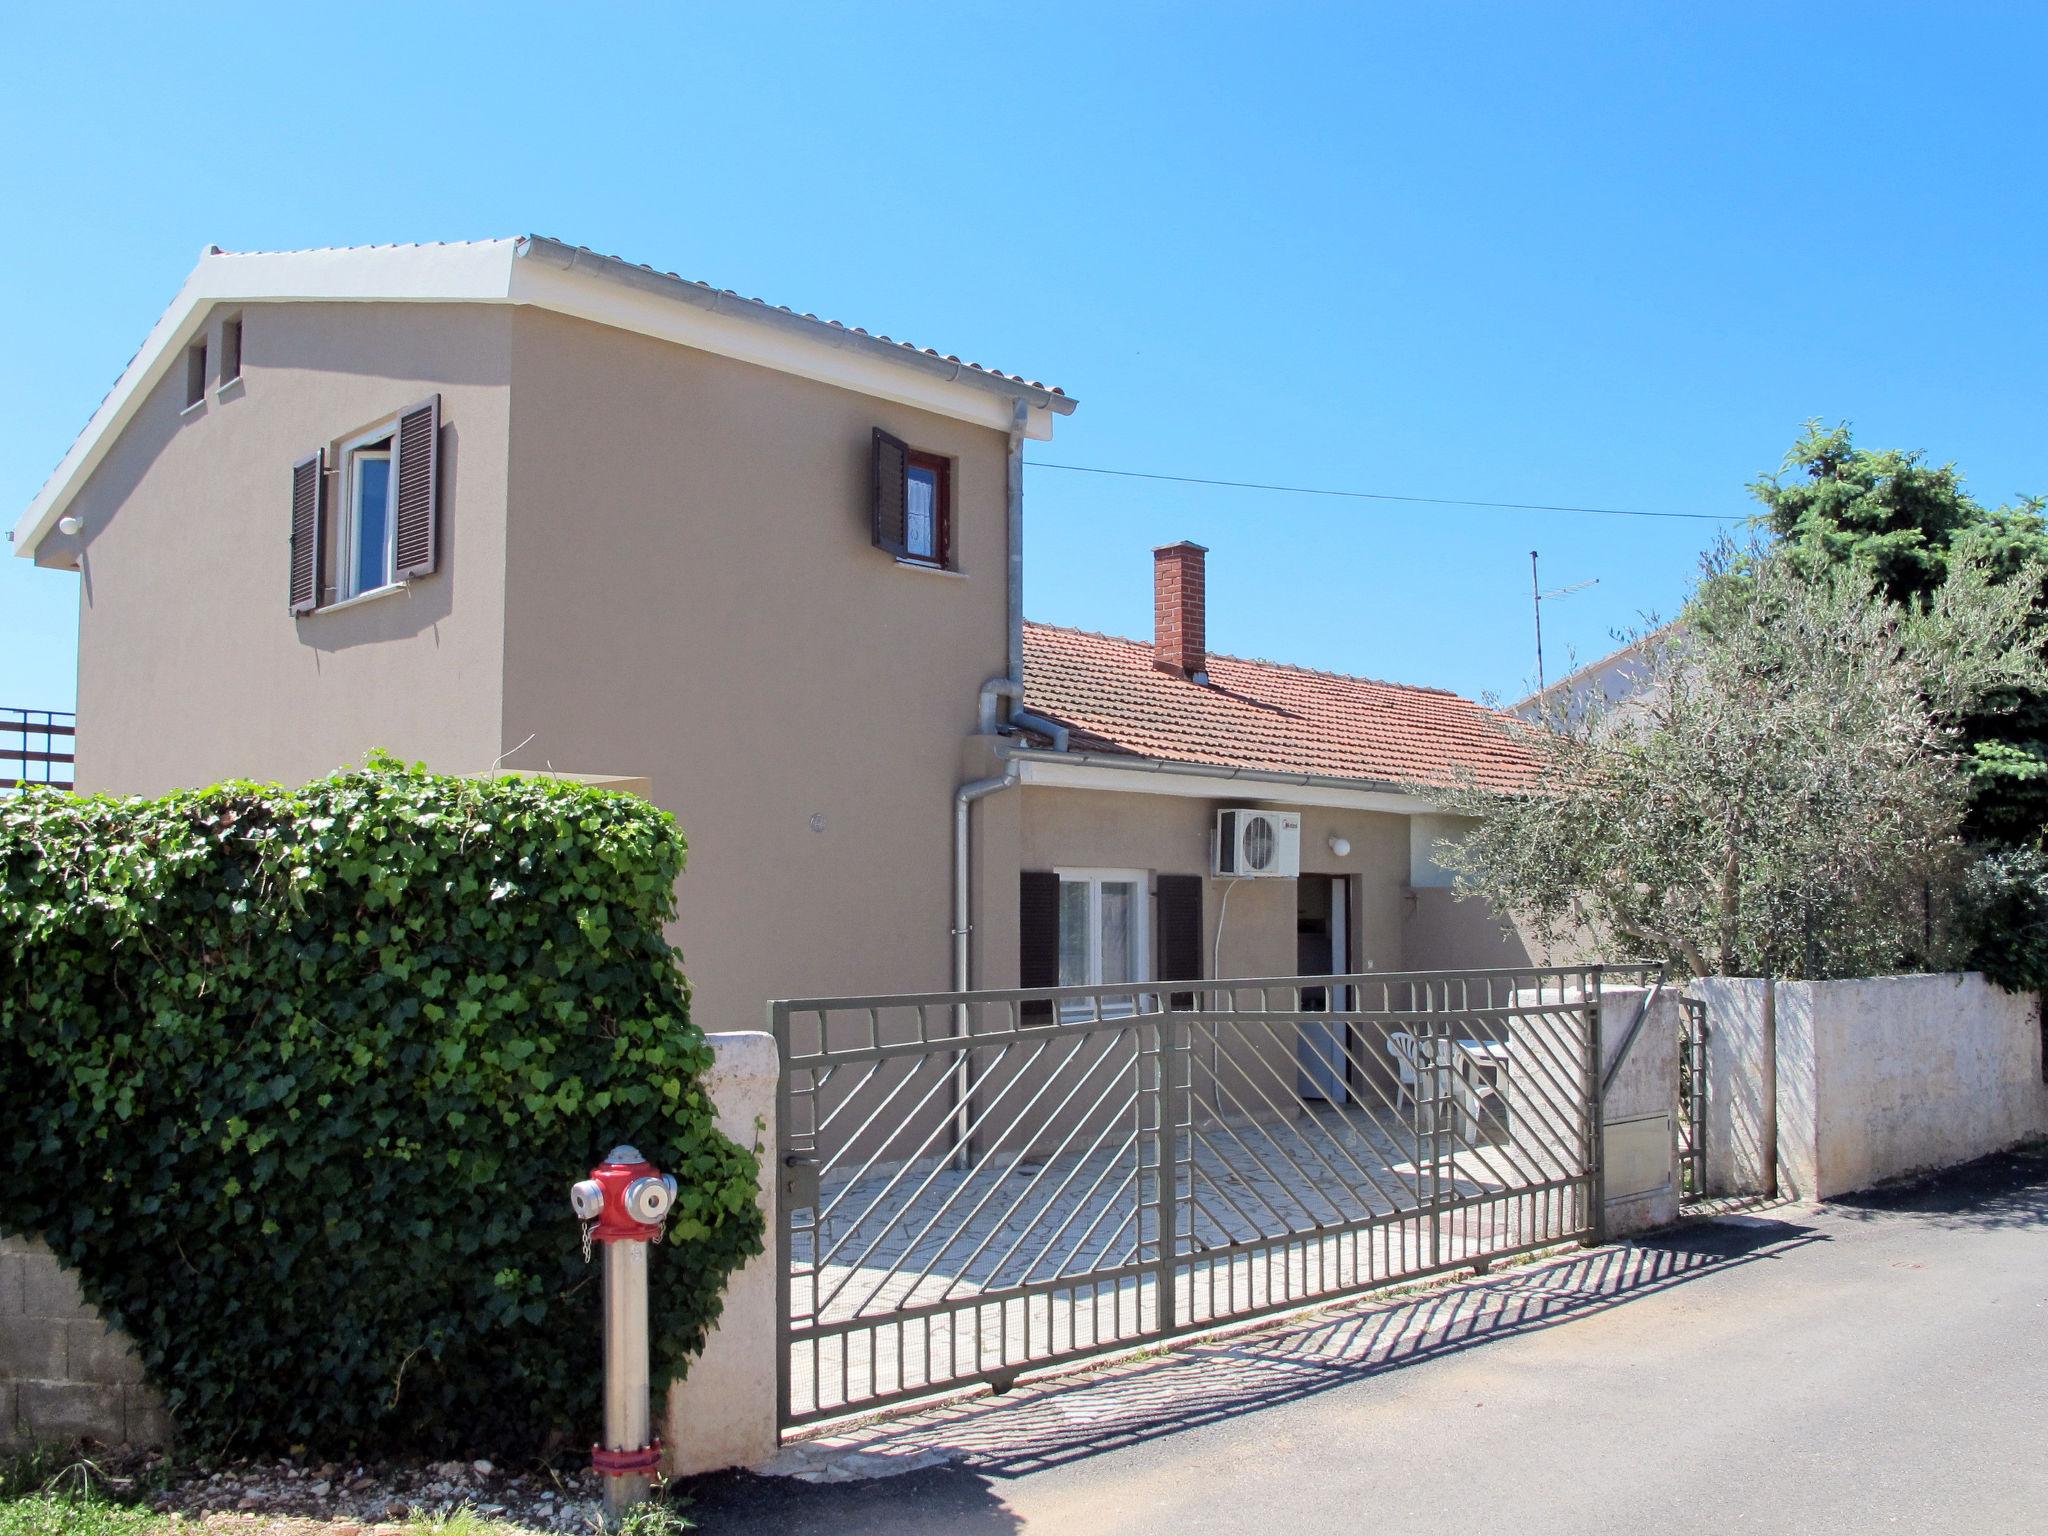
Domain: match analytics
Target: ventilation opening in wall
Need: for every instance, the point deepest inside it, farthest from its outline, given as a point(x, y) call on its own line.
point(231, 351)
point(195, 373)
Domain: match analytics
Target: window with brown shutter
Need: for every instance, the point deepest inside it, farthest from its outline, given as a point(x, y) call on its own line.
point(417, 539)
point(912, 503)
point(387, 509)
point(309, 495)
point(1179, 899)
point(891, 459)
point(1038, 937)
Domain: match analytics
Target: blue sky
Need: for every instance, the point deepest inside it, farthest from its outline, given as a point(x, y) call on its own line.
point(1597, 255)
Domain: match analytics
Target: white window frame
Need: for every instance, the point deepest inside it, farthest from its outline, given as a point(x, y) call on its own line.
point(934, 475)
point(346, 590)
point(1076, 1009)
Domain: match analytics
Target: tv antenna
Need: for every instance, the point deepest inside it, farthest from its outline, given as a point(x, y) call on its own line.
point(1541, 597)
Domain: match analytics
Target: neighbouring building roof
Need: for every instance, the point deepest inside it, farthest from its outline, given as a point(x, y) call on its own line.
point(1265, 715)
point(568, 279)
point(1616, 677)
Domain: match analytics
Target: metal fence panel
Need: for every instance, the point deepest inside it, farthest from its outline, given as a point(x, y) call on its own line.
point(1692, 1098)
point(977, 1184)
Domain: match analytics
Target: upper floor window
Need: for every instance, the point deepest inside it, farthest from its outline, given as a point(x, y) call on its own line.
point(927, 508)
point(912, 502)
point(231, 351)
point(195, 373)
point(367, 517)
point(368, 530)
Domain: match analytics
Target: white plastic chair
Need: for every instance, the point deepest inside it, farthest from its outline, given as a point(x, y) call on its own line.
point(1407, 1053)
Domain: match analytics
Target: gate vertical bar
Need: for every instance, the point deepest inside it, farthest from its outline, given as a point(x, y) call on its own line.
point(1177, 1110)
point(1437, 1069)
point(1152, 1146)
point(1596, 1113)
point(778, 1028)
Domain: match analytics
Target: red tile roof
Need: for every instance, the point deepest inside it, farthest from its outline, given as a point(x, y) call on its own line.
point(1261, 714)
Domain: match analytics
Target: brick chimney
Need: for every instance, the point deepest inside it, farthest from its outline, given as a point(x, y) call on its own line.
point(1180, 630)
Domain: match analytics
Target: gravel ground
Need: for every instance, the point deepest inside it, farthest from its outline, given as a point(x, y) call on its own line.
point(349, 1499)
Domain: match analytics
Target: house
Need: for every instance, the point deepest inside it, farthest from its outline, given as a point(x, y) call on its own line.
point(513, 504)
point(1161, 736)
point(1619, 684)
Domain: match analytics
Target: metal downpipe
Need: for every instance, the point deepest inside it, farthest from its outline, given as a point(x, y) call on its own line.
point(963, 871)
point(963, 802)
point(1020, 416)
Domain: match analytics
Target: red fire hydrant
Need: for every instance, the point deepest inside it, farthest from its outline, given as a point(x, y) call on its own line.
point(624, 1204)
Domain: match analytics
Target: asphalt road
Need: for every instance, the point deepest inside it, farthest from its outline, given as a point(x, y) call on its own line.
point(1879, 1364)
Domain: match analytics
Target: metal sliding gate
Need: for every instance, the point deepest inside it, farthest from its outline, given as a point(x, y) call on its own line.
point(978, 1184)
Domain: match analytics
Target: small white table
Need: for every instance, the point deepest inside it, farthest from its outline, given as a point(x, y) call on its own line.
point(1481, 1088)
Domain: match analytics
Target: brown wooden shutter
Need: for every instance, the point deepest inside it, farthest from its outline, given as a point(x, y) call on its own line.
point(1038, 936)
point(1179, 904)
point(417, 450)
point(309, 496)
point(891, 500)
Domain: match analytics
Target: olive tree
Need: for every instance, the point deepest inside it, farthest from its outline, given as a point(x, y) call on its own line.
point(1784, 790)
point(1833, 504)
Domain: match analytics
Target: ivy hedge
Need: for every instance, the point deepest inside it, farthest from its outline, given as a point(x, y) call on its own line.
point(297, 1081)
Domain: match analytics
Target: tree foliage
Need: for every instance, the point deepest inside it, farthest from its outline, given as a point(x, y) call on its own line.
point(1834, 506)
point(297, 1081)
point(2003, 917)
point(1783, 793)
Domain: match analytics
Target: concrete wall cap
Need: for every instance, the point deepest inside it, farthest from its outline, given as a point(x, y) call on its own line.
point(745, 1053)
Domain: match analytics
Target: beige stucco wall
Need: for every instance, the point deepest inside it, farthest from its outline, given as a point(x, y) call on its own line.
point(190, 666)
point(692, 595)
point(1393, 925)
point(1444, 933)
point(1042, 827)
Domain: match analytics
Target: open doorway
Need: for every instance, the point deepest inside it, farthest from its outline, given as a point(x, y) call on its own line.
point(1322, 947)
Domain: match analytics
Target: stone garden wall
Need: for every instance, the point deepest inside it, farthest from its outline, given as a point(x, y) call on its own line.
point(64, 1375)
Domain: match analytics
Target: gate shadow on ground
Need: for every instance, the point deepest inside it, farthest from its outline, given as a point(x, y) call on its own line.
point(1041, 1426)
point(2005, 1190)
point(940, 1501)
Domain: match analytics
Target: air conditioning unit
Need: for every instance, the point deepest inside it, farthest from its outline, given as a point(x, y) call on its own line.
point(1256, 845)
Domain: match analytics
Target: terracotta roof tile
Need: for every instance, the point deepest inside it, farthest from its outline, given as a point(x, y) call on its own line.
point(1265, 715)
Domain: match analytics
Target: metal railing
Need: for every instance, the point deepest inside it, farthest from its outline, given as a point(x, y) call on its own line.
point(36, 748)
point(980, 1183)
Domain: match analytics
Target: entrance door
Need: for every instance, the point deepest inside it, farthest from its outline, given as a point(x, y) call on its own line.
point(1322, 948)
